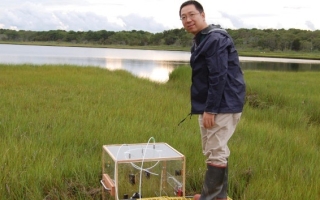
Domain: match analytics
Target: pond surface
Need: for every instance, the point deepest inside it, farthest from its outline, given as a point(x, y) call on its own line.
point(152, 64)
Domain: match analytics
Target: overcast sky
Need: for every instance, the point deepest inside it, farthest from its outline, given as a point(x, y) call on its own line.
point(154, 15)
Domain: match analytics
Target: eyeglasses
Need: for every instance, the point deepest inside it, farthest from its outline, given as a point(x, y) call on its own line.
point(190, 16)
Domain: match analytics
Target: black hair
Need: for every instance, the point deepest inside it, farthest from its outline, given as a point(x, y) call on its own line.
point(191, 2)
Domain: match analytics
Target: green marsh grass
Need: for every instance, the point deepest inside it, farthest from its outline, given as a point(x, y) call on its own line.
point(55, 119)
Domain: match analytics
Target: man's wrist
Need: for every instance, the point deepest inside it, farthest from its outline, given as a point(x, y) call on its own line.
point(211, 113)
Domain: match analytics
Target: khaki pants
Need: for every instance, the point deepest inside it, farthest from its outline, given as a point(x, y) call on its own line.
point(215, 139)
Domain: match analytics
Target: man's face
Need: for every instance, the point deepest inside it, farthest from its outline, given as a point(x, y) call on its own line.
point(192, 20)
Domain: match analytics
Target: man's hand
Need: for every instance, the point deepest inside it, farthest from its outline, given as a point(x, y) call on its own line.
point(208, 120)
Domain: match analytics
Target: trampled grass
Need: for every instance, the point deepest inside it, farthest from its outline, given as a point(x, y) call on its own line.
point(55, 119)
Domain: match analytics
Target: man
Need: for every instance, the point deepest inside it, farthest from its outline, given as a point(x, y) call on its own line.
point(217, 94)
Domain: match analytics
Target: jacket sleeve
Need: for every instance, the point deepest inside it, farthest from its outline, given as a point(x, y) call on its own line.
point(217, 63)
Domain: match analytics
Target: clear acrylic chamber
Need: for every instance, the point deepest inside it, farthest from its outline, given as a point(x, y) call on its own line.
point(133, 171)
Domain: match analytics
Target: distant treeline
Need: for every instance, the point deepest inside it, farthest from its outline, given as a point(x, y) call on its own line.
point(253, 39)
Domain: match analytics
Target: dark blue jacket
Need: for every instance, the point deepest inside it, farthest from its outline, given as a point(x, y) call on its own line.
point(217, 79)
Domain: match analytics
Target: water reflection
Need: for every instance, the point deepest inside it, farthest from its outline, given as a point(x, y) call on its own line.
point(151, 64)
point(278, 66)
point(155, 70)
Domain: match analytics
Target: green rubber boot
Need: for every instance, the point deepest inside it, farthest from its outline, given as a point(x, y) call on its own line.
point(214, 183)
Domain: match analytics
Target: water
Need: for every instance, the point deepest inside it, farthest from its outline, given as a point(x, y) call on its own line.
point(279, 64)
point(152, 64)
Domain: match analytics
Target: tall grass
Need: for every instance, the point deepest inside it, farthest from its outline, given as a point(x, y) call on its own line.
point(55, 119)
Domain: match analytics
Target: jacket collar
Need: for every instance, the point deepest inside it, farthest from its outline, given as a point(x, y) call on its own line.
point(211, 28)
point(202, 34)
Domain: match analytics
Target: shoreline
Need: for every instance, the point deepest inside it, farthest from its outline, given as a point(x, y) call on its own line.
point(249, 54)
point(282, 60)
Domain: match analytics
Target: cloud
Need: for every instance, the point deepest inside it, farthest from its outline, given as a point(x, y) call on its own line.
point(230, 21)
point(136, 22)
point(82, 21)
point(32, 16)
point(310, 25)
point(152, 15)
point(36, 17)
